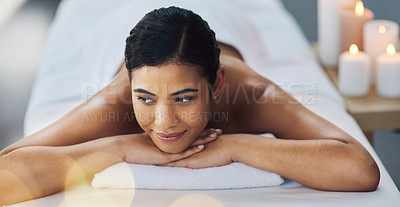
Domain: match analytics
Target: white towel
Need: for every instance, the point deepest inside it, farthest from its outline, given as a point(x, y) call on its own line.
point(231, 176)
point(138, 176)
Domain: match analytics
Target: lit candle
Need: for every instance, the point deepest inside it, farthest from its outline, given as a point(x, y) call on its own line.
point(329, 29)
point(354, 72)
point(377, 35)
point(388, 73)
point(352, 20)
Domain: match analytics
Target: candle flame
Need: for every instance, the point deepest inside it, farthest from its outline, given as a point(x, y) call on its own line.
point(382, 29)
point(353, 49)
point(359, 9)
point(390, 50)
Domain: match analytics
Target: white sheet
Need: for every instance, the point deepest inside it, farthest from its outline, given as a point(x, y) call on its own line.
point(289, 61)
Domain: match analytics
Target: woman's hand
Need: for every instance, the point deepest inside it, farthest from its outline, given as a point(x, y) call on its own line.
point(216, 153)
point(140, 149)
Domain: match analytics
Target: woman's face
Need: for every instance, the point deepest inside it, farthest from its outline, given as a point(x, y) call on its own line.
point(171, 104)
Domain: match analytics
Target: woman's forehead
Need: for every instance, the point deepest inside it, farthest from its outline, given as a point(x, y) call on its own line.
point(169, 76)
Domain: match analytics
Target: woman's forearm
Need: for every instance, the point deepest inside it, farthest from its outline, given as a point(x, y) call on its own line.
point(321, 164)
point(37, 171)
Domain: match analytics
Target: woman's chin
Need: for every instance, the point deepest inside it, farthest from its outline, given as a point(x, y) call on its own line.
point(172, 149)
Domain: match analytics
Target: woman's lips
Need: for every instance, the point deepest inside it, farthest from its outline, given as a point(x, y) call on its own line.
point(171, 137)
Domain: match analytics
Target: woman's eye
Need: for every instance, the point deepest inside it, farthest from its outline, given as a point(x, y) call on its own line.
point(183, 99)
point(145, 100)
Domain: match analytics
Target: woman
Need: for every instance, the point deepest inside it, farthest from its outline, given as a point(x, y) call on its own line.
point(184, 89)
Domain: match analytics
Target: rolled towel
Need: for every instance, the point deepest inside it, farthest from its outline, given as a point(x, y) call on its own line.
point(231, 176)
point(138, 176)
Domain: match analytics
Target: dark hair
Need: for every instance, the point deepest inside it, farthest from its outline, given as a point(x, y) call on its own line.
point(173, 34)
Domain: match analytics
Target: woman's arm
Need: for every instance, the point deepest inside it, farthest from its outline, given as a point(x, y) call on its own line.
point(37, 165)
point(323, 164)
point(310, 149)
point(36, 171)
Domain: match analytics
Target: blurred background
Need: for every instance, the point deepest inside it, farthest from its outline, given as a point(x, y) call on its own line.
point(24, 25)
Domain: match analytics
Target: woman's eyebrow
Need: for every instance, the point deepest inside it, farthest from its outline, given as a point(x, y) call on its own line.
point(186, 90)
point(141, 90)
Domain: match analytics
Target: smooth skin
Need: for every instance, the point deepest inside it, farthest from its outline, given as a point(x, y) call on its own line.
point(309, 149)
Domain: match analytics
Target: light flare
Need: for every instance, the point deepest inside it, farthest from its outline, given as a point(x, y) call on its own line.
point(382, 29)
point(390, 50)
point(353, 49)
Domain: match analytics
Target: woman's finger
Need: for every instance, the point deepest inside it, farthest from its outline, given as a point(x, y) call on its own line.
point(209, 131)
point(204, 140)
point(206, 132)
point(207, 136)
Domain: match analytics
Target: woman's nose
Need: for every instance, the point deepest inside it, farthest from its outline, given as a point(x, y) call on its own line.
point(165, 116)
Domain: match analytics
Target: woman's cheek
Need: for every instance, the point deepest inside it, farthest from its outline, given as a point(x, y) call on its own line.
point(143, 116)
point(196, 117)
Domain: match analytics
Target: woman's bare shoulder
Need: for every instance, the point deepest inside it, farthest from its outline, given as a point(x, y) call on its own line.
point(264, 107)
point(243, 88)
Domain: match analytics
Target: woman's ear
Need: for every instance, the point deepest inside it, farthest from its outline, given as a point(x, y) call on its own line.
point(219, 82)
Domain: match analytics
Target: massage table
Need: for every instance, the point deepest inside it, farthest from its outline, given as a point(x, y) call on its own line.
point(82, 30)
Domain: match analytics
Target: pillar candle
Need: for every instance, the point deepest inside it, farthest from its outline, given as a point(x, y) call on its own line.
point(347, 3)
point(354, 72)
point(388, 73)
point(377, 35)
point(352, 20)
point(329, 29)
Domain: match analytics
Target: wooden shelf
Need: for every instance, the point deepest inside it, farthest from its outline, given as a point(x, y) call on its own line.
point(372, 112)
